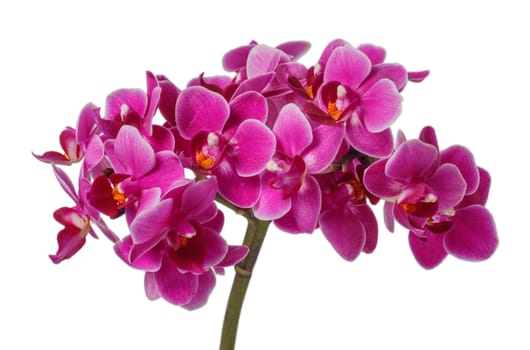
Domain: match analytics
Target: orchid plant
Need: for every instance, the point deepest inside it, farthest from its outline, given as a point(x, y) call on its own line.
point(305, 148)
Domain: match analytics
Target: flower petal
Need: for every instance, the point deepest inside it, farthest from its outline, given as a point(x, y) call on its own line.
point(175, 287)
point(325, 146)
point(344, 231)
point(253, 146)
point(292, 130)
point(413, 159)
point(473, 235)
point(381, 106)
point(205, 288)
point(133, 155)
point(241, 191)
point(199, 109)
point(428, 250)
point(449, 185)
point(305, 209)
point(464, 160)
point(377, 145)
point(348, 66)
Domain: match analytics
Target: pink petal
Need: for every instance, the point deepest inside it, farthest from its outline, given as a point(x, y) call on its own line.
point(71, 239)
point(203, 251)
point(378, 183)
point(366, 216)
point(324, 148)
point(236, 59)
point(413, 159)
point(133, 155)
point(66, 183)
point(295, 49)
point(388, 210)
point(86, 123)
point(381, 106)
point(241, 191)
point(234, 255)
point(480, 196)
point(473, 235)
point(464, 160)
point(348, 66)
point(379, 145)
point(151, 290)
point(151, 223)
point(205, 288)
point(249, 105)
point(449, 185)
point(428, 135)
point(305, 209)
point(262, 59)
point(292, 130)
point(198, 197)
point(199, 109)
point(272, 204)
point(134, 99)
point(95, 152)
point(344, 231)
point(429, 250)
point(175, 287)
point(376, 54)
point(253, 146)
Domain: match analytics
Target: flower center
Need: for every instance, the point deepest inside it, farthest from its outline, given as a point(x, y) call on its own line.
point(333, 111)
point(204, 161)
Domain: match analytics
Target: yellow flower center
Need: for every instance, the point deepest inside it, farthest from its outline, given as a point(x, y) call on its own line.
point(204, 161)
point(333, 111)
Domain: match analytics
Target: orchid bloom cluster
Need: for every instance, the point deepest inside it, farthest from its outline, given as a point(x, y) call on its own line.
point(303, 147)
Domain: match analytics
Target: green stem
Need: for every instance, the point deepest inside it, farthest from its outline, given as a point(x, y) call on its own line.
point(256, 231)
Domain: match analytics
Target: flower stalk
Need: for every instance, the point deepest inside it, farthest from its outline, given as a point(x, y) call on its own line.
point(254, 237)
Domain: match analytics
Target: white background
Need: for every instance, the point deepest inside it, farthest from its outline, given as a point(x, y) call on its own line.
point(55, 57)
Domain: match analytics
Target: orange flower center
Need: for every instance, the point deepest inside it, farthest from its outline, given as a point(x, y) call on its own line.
point(204, 161)
point(333, 111)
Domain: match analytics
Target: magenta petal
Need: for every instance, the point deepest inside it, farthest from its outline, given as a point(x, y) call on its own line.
point(377, 145)
point(417, 77)
point(262, 59)
point(305, 209)
point(292, 130)
point(473, 235)
point(272, 204)
point(248, 105)
point(344, 231)
point(131, 99)
point(241, 191)
point(53, 157)
point(377, 183)
point(203, 251)
point(257, 84)
point(86, 123)
point(381, 106)
point(151, 223)
point(151, 290)
point(429, 250)
point(94, 152)
point(167, 171)
point(236, 59)
point(198, 197)
point(449, 185)
point(367, 218)
point(151, 260)
point(199, 109)
point(348, 66)
point(234, 255)
point(66, 183)
point(295, 49)
point(464, 160)
point(205, 288)
point(71, 239)
point(413, 159)
point(388, 211)
point(325, 146)
point(376, 54)
point(175, 287)
point(133, 155)
point(480, 196)
point(428, 135)
point(253, 146)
